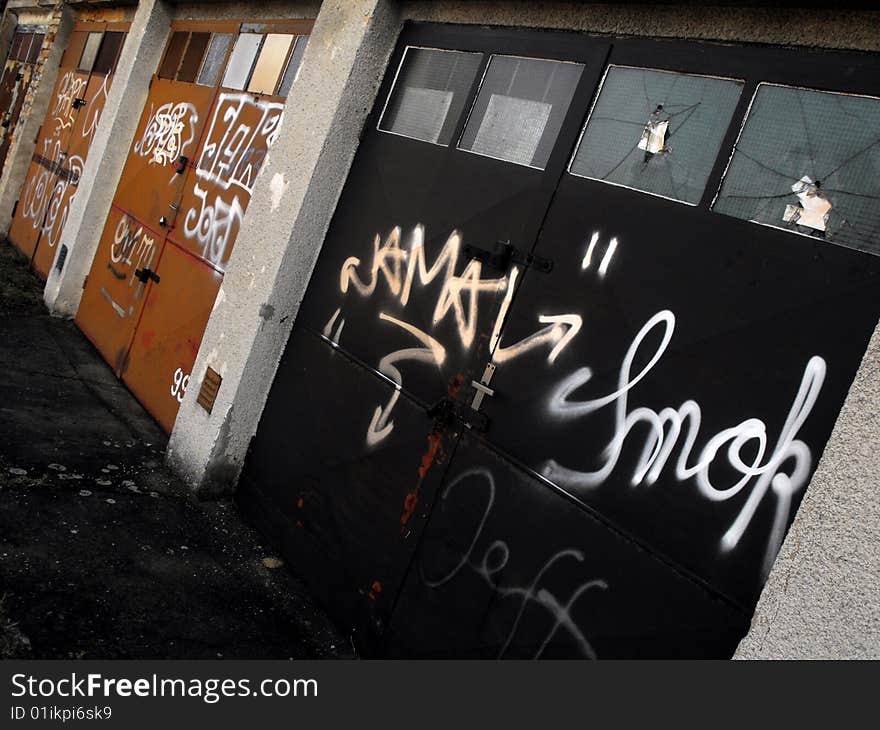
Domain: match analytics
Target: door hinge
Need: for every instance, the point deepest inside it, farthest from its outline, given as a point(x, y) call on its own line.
point(14, 208)
point(504, 254)
point(144, 275)
point(85, 281)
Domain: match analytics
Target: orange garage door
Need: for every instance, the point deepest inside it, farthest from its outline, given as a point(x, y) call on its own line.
point(64, 140)
point(213, 110)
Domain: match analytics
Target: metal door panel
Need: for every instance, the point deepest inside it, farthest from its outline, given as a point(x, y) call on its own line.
point(752, 317)
point(170, 331)
point(510, 568)
point(218, 188)
point(170, 127)
point(37, 203)
point(347, 513)
point(409, 205)
point(113, 296)
point(393, 265)
point(83, 124)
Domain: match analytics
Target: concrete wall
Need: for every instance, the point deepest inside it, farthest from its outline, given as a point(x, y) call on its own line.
point(822, 599)
point(275, 9)
point(831, 27)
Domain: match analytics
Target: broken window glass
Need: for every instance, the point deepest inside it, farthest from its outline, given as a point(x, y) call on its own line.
point(656, 131)
point(241, 60)
point(293, 65)
point(215, 58)
point(429, 94)
point(808, 162)
point(520, 109)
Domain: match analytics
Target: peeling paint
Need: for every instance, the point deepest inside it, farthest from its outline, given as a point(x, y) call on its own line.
point(277, 186)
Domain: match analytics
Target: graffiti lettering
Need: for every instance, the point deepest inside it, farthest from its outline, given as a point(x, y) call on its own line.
point(169, 131)
point(665, 427)
point(490, 566)
point(241, 131)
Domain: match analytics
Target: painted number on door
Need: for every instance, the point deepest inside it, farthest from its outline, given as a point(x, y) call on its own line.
point(178, 384)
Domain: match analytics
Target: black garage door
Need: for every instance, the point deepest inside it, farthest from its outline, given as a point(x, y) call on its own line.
point(577, 336)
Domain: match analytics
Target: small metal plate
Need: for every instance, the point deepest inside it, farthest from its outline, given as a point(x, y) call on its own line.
point(208, 391)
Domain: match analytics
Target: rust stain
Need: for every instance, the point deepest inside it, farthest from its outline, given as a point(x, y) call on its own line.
point(411, 501)
point(455, 385)
point(375, 590)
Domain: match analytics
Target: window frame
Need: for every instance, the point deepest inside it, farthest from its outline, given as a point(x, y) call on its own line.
point(608, 66)
point(733, 149)
point(393, 86)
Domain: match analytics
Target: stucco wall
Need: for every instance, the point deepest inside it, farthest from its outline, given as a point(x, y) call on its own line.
point(830, 27)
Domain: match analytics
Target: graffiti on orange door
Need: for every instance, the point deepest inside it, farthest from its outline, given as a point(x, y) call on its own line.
point(48, 195)
point(132, 249)
point(241, 131)
point(169, 132)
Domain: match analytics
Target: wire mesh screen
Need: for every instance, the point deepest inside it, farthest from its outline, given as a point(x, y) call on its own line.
point(656, 131)
point(809, 162)
point(429, 94)
point(520, 108)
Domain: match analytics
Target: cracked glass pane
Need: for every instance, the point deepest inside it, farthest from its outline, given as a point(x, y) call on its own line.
point(520, 108)
point(809, 162)
point(429, 94)
point(656, 131)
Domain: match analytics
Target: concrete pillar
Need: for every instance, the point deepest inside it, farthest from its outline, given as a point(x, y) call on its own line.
point(281, 235)
point(97, 186)
point(21, 151)
point(822, 599)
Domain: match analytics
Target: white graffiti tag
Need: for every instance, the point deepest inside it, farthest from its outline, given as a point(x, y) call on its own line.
point(241, 131)
point(63, 112)
point(134, 249)
point(399, 268)
point(666, 426)
point(170, 130)
point(491, 565)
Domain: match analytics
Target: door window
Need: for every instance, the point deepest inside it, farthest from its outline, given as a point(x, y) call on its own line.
point(808, 162)
point(429, 94)
point(656, 131)
point(520, 109)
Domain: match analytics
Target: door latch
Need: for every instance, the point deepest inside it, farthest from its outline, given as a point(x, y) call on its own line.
point(78, 103)
point(504, 254)
point(145, 274)
point(482, 387)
